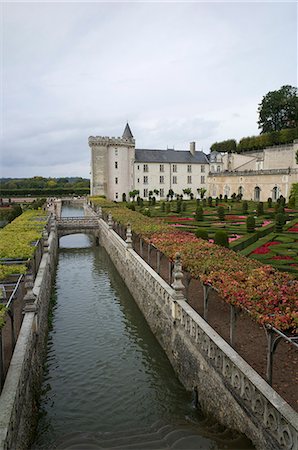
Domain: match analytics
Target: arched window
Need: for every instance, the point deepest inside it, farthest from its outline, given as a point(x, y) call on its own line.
point(257, 194)
point(227, 190)
point(275, 193)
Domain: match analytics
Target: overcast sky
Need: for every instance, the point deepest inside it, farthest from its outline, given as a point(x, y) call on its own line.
point(177, 72)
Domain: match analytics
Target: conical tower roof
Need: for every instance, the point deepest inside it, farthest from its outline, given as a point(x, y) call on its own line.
point(127, 134)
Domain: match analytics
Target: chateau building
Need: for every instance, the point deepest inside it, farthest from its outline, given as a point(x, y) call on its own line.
point(257, 175)
point(118, 167)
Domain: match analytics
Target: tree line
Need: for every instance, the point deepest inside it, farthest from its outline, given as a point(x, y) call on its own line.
point(278, 121)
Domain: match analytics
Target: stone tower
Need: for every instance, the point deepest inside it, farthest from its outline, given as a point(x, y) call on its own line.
point(112, 164)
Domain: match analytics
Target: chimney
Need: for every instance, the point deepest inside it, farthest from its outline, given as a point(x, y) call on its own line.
point(192, 148)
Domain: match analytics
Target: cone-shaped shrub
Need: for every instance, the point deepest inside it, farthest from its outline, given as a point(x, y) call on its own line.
point(199, 214)
point(250, 224)
point(202, 233)
point(269, 202)
point(221, 213)
point(244, 207)
point(279, 222)
point(260, 209)
point(221, 238)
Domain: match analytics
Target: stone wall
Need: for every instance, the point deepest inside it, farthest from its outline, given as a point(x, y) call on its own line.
point(19, 397)
point(228, 388)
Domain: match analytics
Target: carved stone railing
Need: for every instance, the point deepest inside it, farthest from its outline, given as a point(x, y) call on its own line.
point(266, 406)
point(243, 173)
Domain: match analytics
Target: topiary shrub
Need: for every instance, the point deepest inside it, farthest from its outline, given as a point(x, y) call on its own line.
point(245, 207)
point(198, 201)
point(280, 220)
point(204, 202)
point(199, 214)
point(178, 206)
point(147, 212)
point(221, 238)
point(221, 213)
point(202, 234)
point(225, 198)
point(282, 200)
point(216, 201)
point(250, 224)
point(269, 202)
point(260, 209)
point(124, 197)
point(279, 208)
point(209, 201)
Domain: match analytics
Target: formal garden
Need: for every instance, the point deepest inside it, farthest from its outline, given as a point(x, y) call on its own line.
point(261, 295)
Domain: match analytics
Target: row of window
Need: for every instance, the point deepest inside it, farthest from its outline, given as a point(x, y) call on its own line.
point(213, 168)
point(174, 168)
point(162, 179)
point(174, 179)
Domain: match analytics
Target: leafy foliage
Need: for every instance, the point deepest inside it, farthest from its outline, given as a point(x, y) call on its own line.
point(221, 238)
point(279, 110)
point(229, 146)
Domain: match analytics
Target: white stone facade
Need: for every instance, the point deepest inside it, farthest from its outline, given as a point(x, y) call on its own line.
point(257, 175)
point(166, 176)
point(117, 167)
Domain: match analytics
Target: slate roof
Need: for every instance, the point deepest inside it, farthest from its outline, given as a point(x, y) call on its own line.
point(127, 134)
point(169, 156)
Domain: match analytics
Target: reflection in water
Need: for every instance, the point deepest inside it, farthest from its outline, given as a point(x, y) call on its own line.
point(105, 371)
point(72, 211)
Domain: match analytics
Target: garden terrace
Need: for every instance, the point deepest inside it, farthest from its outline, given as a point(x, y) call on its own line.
point(236, 324)
point(269, 295)
point(20, 252)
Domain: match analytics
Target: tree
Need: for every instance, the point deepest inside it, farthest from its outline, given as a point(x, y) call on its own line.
point(187, 191)
point(202, 192)
point(279, 109)
point(224, 146)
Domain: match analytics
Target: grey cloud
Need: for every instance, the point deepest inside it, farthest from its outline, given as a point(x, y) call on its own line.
point(177, 72)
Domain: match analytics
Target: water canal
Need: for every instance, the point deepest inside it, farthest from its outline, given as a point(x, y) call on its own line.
point(105, 371)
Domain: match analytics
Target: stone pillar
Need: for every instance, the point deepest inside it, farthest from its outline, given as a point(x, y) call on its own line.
point(177, 284)
point(128, 236)
point(30, 297)
point(45, 237)
point(110, 220)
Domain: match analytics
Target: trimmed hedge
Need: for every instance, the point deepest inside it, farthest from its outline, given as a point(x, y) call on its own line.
point(47, 192)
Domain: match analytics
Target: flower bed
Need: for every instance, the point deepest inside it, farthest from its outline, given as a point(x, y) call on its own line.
point(270, 296)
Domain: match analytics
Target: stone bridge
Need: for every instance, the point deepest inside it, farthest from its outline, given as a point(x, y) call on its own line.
point(77, 225)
